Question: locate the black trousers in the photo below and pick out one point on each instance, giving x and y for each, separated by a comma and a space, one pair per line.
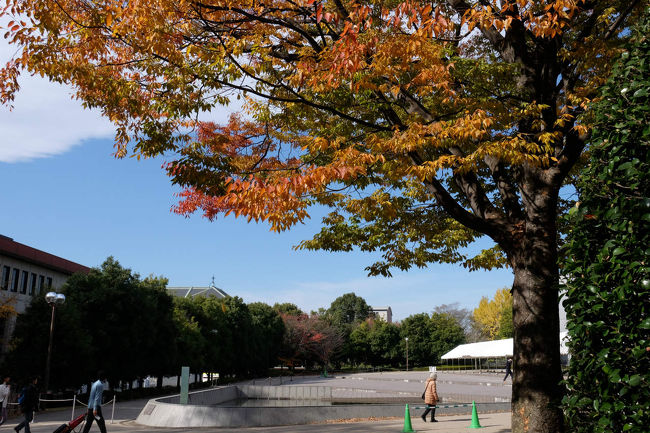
508, 373
29, 416
100, 420
432, 409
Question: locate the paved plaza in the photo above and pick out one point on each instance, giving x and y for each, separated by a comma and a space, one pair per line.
452, 387
405, 385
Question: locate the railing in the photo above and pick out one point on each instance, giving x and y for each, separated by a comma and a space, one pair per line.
74, 401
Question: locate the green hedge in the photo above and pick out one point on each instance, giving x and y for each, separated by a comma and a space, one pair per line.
608, 259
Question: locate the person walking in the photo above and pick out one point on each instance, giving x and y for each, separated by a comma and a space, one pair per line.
95, 404
508, 369
5, 389
28, 405
430, 398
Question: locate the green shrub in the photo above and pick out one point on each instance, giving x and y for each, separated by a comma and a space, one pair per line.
607, 259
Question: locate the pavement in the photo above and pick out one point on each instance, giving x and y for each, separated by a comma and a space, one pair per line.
389, 384
491, 423
452, 387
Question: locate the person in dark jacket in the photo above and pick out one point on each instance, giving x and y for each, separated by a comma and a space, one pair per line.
28, 405
508, 369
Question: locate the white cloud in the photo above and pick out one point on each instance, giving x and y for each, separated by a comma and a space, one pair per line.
45, 121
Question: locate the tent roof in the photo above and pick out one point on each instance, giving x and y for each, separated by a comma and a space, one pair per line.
492, 349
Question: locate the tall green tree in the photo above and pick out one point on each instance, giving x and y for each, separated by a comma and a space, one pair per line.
608, 260
359, 344
384, 341
446, 333
377, 343
416, 329
345, 313
430, 337
71, 349
192, 345
268, 332
111, 320
348, 309
288, 308
118, 310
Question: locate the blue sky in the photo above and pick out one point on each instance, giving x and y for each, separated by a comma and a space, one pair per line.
61, 191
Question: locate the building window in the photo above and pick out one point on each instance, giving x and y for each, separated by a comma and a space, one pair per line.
49, 283
6, 270
23, 282
41, 283
15, 277
32, 287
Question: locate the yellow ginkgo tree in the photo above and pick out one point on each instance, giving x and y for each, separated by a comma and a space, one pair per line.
489, 315
422, 124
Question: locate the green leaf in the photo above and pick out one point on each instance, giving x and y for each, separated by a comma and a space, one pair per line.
635, 380
645, 324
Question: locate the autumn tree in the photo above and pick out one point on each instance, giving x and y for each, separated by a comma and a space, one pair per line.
492, 317
325, 341
424, 125
309, 339
7, 311
295, 339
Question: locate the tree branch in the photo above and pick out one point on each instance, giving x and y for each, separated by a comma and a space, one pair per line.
449, 203
620, 19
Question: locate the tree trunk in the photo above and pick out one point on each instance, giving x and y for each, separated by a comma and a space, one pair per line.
536, 389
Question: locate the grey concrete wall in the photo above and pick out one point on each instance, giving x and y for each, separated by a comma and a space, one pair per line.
323, 393
206, 397
166, 412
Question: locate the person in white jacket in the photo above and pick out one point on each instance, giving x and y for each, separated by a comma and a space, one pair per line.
5, 389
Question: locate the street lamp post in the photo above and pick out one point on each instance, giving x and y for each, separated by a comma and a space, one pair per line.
53, 299
407, 353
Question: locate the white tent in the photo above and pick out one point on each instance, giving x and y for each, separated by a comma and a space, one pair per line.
493, 349
482, 349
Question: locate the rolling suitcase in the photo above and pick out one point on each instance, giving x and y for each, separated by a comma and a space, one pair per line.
69, 426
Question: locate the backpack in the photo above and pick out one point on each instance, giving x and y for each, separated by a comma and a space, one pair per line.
21, 397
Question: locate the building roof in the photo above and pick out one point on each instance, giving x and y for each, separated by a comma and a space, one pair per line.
191, 291
493, 349
11, 248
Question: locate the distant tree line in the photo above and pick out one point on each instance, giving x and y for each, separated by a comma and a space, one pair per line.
133, 328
